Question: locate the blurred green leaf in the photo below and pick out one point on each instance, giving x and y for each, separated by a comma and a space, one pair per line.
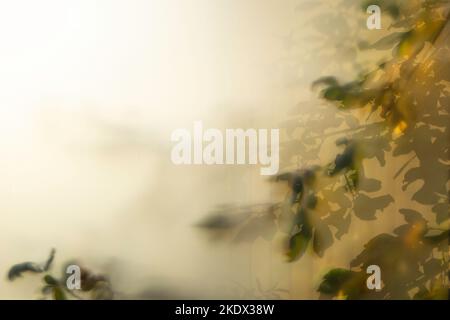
58, 294
298, 244
48, 279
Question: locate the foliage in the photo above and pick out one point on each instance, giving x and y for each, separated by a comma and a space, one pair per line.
93, 286
406, 100
17, 270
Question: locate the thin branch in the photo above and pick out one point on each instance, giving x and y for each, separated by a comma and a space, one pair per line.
326, 135
404, 166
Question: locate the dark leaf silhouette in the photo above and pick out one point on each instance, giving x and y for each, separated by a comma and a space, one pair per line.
323, 238
17, 270
366, 207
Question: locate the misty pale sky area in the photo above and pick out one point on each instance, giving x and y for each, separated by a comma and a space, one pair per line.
90, 93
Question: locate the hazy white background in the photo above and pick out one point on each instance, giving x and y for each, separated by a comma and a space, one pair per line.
89, 94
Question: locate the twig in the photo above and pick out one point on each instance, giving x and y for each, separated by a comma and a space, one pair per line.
404, 166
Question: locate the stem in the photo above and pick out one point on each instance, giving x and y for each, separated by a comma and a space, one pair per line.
349, 130
404, 166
